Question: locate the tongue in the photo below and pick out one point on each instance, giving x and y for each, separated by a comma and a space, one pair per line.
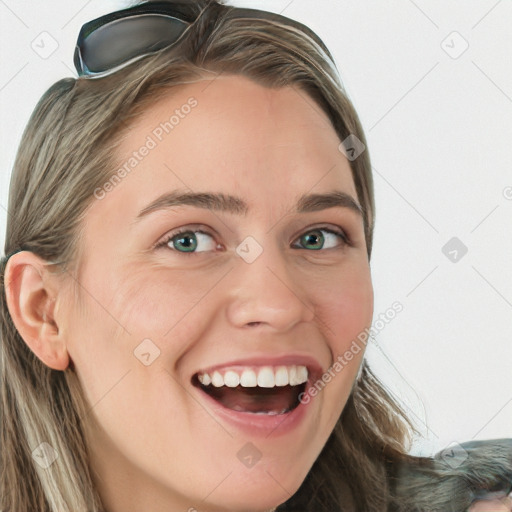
277, 400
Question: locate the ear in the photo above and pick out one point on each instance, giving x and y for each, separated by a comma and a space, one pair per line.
32, 294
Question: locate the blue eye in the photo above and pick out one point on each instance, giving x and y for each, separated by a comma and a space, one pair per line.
318, 240
188, 240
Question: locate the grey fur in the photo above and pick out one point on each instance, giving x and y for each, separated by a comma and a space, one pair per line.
451, 480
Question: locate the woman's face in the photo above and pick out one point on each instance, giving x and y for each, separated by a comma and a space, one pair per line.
243, 289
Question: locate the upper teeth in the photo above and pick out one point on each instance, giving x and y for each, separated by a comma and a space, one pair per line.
265, 377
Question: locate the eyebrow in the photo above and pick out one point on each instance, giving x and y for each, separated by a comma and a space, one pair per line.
226, 203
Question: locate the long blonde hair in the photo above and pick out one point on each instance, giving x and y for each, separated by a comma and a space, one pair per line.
66, 152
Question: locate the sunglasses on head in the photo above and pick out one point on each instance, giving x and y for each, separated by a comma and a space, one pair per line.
111, 42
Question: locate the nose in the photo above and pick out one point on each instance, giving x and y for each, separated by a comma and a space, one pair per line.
266, 294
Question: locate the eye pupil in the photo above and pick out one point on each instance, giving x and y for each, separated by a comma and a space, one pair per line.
315, 236
190, 247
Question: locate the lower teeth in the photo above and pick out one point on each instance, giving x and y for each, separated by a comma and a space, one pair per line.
266, 413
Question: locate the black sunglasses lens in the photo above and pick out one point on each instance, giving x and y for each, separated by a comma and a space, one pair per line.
122, 40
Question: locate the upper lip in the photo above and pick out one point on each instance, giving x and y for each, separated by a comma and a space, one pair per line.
314, 368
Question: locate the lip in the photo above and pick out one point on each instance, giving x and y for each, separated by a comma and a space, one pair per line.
257, 425
260, 425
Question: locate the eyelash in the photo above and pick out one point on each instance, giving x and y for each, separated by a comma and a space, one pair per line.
164, 243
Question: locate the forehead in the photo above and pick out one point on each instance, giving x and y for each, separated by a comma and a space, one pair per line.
232, 133
230, 126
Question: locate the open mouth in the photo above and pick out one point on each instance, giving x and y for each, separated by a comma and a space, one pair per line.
256, 399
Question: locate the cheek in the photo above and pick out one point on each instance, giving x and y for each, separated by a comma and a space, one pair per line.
163, 302
344, 309
168, 307
345, 305
108, 332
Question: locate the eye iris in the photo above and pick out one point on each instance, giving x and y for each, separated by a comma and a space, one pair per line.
184, 236
316, 235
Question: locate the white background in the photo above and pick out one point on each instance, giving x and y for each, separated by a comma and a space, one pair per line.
439, 133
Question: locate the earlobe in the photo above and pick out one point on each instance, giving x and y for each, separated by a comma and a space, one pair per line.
31, 293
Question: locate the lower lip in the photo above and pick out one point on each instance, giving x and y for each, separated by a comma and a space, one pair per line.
259, 425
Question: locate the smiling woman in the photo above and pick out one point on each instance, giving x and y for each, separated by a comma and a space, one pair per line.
189, 247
